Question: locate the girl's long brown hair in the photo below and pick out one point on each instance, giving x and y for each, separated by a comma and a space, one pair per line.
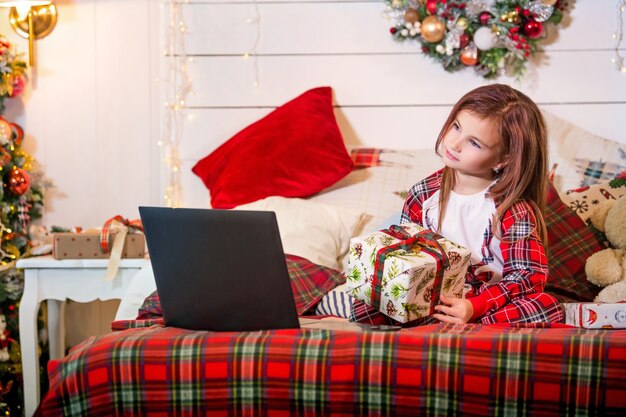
523, 150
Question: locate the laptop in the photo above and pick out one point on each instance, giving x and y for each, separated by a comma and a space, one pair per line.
219, 270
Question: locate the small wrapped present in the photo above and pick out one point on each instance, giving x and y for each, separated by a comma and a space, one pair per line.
119, 238
401, 271
596, 315
86, 245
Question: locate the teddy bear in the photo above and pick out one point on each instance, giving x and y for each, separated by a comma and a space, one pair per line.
607, 268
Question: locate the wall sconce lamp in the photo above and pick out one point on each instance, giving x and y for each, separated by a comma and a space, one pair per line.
31, 19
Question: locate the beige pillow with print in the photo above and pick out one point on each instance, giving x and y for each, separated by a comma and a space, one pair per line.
582, 158
583, 200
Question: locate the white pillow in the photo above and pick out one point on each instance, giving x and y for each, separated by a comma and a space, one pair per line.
318, 232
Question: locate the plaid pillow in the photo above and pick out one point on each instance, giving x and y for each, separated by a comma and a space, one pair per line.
309, 283
594, 172
570, 243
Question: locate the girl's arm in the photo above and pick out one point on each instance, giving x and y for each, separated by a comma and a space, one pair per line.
525, 264
412, 211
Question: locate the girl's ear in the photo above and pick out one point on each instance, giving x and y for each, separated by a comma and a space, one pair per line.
501, 164
498, 167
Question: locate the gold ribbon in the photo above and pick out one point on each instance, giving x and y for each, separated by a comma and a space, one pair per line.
121, 225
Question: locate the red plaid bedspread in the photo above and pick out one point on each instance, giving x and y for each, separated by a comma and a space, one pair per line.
433, 370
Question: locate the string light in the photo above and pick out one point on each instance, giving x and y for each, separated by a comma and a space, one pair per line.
256, 20
178, 88
618, 60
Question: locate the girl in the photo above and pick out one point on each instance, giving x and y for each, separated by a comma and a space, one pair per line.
490, 198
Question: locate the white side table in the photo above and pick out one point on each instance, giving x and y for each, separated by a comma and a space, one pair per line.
45, 278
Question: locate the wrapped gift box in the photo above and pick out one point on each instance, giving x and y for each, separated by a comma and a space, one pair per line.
87, 245
417, 265
596, 315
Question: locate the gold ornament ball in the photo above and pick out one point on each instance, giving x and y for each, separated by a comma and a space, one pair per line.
411, 16
462, 23
433, 29
511, 17
549, 2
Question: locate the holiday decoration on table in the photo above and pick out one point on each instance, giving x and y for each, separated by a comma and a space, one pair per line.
492, 36
12, 68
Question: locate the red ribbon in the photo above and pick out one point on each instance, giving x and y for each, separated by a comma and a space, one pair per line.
427, 240
104, 234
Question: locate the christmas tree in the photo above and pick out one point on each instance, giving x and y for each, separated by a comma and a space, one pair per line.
21, 199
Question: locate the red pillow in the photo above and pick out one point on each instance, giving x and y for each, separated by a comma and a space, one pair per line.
295, 151
570, 243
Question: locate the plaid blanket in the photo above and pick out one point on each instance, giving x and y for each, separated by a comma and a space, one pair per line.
432, 370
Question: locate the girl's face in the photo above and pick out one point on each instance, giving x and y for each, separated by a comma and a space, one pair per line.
471, 146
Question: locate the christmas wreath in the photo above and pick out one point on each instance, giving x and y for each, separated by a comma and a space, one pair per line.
493, 36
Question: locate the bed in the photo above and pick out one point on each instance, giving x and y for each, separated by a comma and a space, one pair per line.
322, 200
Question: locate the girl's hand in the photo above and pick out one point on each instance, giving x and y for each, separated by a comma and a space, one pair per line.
454, 310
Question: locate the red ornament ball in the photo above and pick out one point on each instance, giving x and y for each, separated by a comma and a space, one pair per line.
18, 181
431, 6
484, 18
18, 134
533, 29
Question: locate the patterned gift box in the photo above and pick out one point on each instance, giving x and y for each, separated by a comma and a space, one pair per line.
596, 315
402, 270
87, 246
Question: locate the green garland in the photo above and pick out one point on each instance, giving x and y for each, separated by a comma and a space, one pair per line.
492, 36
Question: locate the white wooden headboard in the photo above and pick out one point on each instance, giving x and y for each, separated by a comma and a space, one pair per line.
386, 93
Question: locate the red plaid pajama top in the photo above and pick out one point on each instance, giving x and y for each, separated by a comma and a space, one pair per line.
518, 296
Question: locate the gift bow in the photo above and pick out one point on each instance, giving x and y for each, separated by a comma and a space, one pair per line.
426, 240
118, 244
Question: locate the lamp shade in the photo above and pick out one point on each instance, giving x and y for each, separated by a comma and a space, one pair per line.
23, 6
16, 3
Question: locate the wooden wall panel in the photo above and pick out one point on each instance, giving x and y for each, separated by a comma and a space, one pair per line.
389, 80
324, 27
386, 93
